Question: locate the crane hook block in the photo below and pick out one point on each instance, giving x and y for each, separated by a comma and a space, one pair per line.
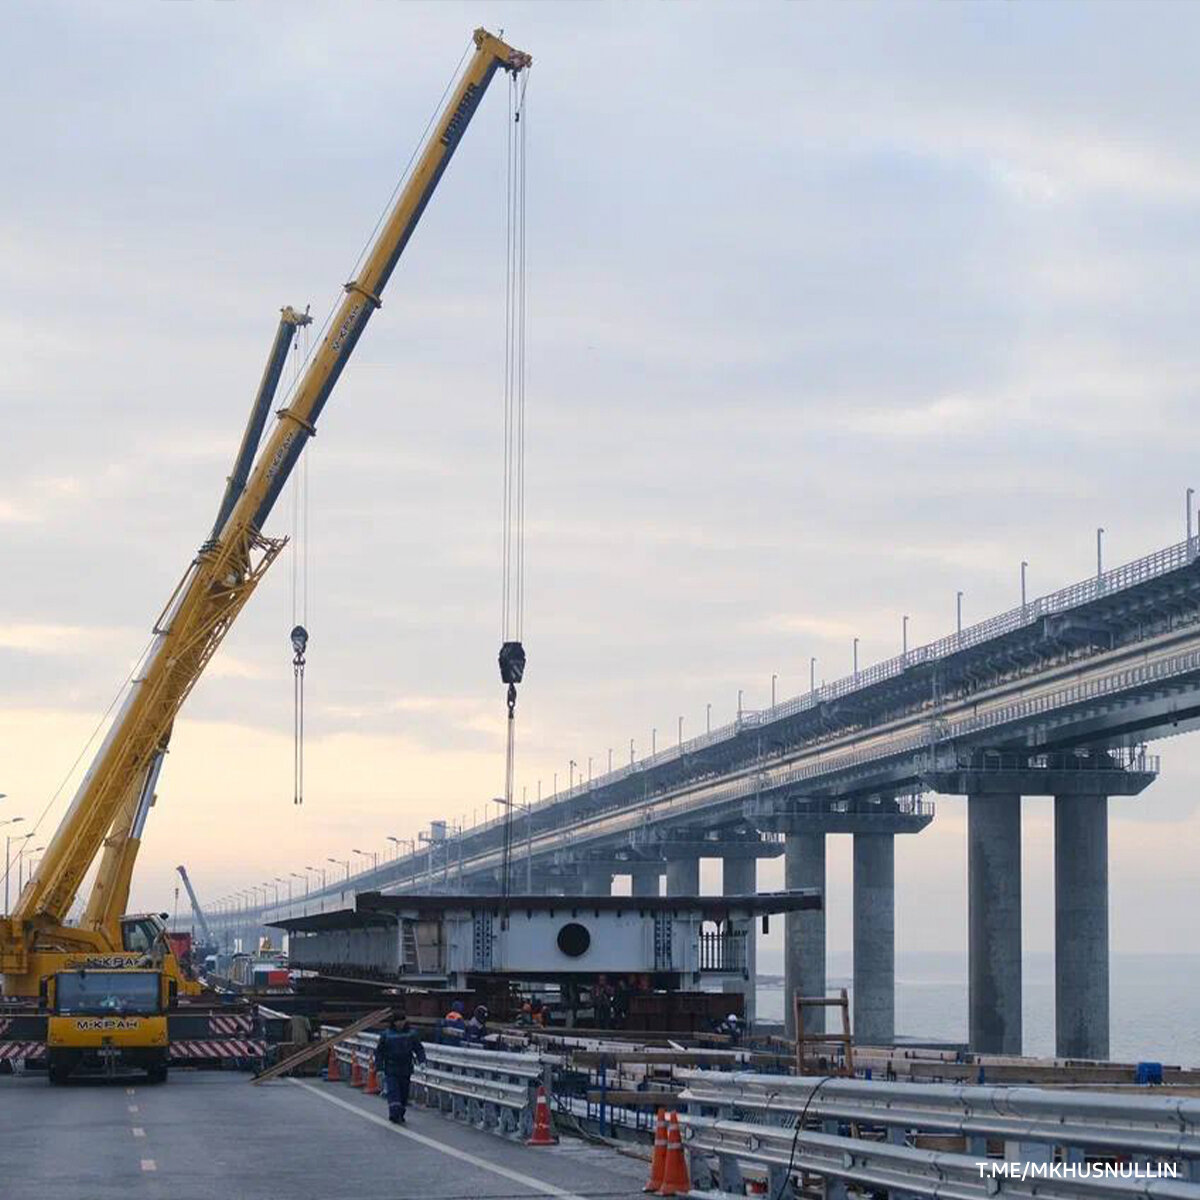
512, 662
299, 640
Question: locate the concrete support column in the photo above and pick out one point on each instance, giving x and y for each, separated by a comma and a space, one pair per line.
595, 881
804, 932
874, 939
643, 883
1081, 926
994, 923
683, 877
740, 878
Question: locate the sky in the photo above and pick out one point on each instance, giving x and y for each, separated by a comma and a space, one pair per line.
834, 310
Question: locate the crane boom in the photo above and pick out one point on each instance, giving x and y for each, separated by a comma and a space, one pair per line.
197, 911
109, 896
227, 569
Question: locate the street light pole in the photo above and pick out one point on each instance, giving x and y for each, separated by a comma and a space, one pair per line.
812, 675
773, 679
1187, 504
856, 658
708, 718
960, 596
1024, 568
904, 635
8, 859
1099, 551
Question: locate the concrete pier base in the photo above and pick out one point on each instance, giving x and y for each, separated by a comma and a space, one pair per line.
1081, 926
874, 939
804, 932
740, 878
994, 923
683, 876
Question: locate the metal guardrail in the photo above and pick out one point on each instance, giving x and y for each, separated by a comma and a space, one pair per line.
491, 1089
748, 1118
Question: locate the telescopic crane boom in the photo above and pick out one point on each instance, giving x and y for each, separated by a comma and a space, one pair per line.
224, 573
205, 933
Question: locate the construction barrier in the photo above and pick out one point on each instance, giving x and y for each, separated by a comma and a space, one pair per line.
744, 1124
494, 1090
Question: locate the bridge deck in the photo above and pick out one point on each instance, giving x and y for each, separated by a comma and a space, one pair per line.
210, 1136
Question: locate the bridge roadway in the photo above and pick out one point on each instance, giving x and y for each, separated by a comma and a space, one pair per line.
212, 1136
1052, 698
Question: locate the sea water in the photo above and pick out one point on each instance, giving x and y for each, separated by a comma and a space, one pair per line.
1154, 1002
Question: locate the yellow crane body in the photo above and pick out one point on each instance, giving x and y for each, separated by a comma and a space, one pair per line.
215, 587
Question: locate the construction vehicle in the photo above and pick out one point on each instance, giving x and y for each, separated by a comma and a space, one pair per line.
106, 1020
110, 806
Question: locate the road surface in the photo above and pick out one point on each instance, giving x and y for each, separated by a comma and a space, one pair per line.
214, 1136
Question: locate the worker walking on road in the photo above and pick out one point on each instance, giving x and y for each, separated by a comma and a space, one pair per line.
398, 1048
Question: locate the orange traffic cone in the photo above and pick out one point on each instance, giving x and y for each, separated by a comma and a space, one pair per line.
659, 1162
543, 1134
372, 1088
333, 1073
356, 1079
676, 1181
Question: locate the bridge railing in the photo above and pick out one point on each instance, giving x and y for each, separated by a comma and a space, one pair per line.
491, 1089
741, 1119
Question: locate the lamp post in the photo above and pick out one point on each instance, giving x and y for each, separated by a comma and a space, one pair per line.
8, 858
653, 741
774, 679
22, 850
959, 599
1024, 568
373, 855
341, 862
739, 715
904, 636
812, 675
856, 658
288, 882
302, 878
681, 734
1099, 551
610, 760
570, 774
708, 718
631, 752
318, 871
1186, 504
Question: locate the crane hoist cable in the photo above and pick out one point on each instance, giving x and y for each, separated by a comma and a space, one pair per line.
512, 603
299, 634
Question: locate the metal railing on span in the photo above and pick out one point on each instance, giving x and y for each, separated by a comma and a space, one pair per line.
864, 1132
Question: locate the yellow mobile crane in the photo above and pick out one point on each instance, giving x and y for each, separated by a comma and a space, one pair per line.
35, 941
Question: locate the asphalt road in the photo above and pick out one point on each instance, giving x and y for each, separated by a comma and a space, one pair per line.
214, 1136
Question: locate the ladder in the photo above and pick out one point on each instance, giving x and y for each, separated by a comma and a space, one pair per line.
823, 1053
412, 951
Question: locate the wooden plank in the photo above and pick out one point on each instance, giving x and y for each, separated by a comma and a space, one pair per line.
314, 1049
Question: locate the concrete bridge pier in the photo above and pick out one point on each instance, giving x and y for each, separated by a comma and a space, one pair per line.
739, 877
874, 939
1081, 782
872, 820
1081, 926
994, 923
804, 932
